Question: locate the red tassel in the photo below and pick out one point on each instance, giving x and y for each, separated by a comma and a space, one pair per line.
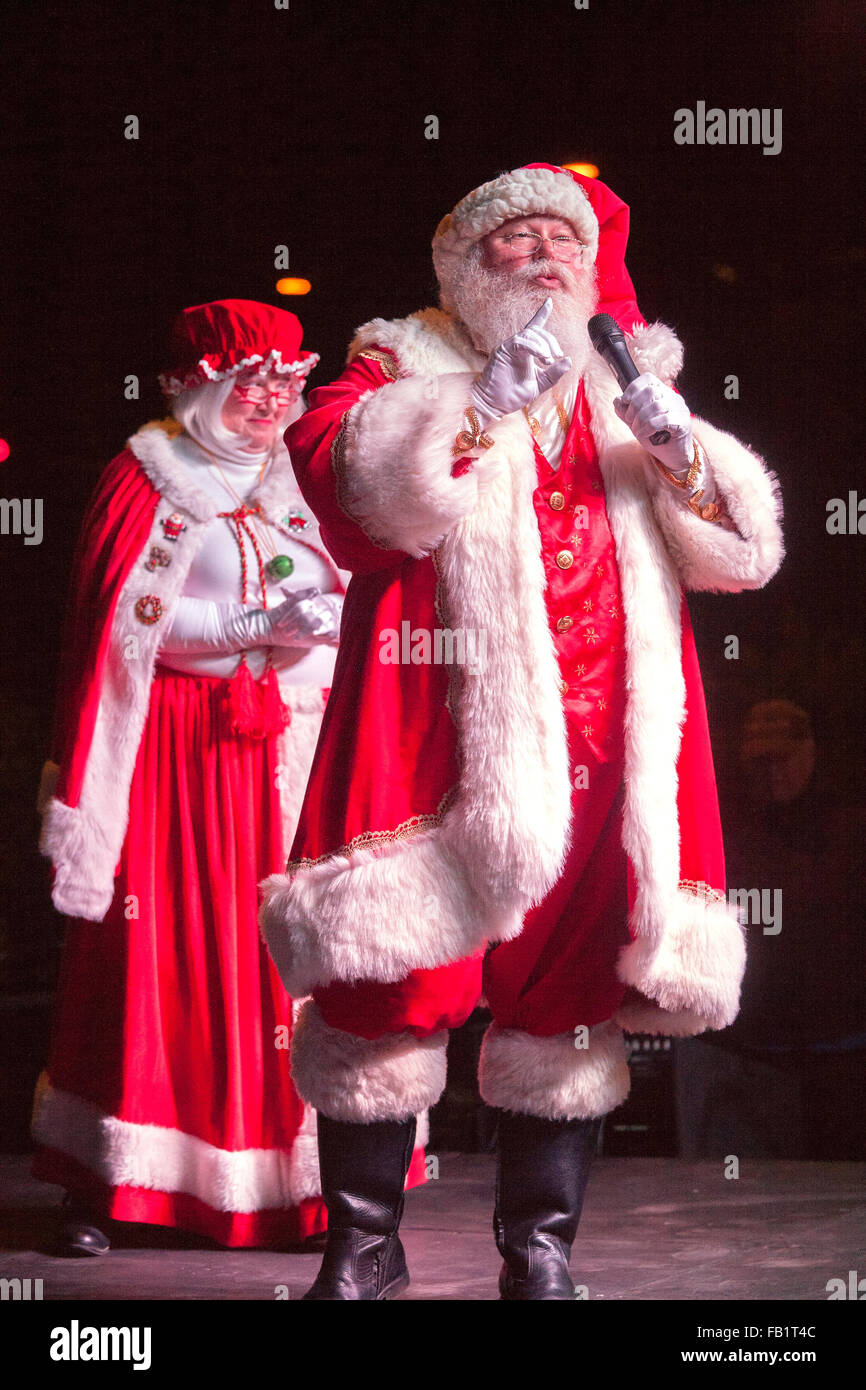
276, 715
244, 703
256, 708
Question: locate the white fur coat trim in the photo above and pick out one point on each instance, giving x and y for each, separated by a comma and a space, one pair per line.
501, 843
430, 898
85, 841
123, 1154
551, 1077
358, 1081
693, 972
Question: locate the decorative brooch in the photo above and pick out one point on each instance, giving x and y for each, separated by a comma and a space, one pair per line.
158, 559
148, 609
172, 526
473, 438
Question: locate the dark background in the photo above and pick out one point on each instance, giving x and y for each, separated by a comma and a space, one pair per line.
306, 127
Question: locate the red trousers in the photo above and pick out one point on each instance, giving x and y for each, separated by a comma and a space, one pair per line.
558, 974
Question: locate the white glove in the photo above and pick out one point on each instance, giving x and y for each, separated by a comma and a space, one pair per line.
520, 370
647, 405
305, 619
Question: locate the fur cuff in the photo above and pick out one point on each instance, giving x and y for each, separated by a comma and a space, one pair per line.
398, 460
359, 1081
708, 556
694, 973
414, 899
552, 1078
84, 864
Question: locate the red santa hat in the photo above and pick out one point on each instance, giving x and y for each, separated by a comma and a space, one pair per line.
595, 212
210, 342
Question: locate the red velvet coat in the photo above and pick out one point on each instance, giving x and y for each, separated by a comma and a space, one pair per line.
438, 805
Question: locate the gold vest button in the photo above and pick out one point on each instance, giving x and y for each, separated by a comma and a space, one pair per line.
563, 624
564, 559
557, 501
563, 687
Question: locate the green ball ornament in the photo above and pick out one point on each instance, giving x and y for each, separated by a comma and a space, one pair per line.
280, 567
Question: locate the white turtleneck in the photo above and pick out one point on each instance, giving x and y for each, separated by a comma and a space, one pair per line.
215, 575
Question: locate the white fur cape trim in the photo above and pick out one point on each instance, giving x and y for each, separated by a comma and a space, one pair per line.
551, 1077
85, 841
359, 1081
519, 193
435, 896
123, 1154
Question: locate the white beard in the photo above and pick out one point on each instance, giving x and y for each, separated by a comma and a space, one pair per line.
495, 304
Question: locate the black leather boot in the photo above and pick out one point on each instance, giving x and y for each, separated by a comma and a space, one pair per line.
542, 1172
77, 1232
363, 1170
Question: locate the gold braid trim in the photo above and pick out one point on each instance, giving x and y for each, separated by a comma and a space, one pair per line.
691, 477
338, 466
412, 826
713, 511
439, 603
702, 890
387, 361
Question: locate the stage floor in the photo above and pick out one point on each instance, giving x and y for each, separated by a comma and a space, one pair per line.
652, 1229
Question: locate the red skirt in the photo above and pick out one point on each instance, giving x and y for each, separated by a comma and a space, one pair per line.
168, 1095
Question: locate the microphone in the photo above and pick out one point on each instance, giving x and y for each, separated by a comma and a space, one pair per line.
608, 338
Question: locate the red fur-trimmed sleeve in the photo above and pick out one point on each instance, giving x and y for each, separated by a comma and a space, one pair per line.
374, 457
316, 443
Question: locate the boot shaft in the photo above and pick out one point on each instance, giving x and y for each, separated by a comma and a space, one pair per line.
543, 1168
363, 1170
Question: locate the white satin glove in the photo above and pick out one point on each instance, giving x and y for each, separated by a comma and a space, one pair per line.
305, 619
647, 405
520, 370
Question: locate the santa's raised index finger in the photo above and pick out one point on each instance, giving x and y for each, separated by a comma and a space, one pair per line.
539, 319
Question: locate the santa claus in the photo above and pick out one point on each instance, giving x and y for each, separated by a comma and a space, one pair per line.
200, 645
552, 799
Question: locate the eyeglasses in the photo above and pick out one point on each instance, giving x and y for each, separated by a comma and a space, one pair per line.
564, 248
256, 393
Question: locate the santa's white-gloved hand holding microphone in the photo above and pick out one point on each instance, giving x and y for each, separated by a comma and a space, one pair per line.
520, 370
647, 405
305, 618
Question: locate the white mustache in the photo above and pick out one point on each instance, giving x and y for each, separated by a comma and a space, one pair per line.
527, 273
